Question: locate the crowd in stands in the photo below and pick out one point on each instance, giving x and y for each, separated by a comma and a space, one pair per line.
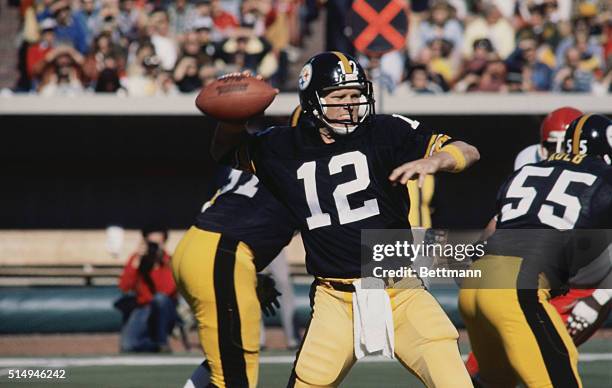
165, 47
149, 48
510, 46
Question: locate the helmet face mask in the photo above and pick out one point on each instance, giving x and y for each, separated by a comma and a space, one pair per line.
326, 73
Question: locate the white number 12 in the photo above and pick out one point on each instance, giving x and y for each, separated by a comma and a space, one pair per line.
342, 191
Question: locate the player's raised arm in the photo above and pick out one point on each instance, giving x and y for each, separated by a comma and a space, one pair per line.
232, 100
454, 157
229, 145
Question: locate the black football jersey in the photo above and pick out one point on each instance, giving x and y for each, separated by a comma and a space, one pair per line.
244, 210
336, 190
563, 192
556, 215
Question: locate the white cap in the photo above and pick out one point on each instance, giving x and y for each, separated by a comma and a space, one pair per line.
47, 24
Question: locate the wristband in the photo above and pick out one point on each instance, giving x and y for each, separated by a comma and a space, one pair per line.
457, 156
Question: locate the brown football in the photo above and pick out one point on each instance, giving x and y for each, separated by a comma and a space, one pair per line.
235, 98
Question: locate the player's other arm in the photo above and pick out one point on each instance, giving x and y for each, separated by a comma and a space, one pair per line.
453, 157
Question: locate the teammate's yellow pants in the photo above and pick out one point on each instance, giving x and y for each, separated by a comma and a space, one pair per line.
216, 275
425, 340
516, 334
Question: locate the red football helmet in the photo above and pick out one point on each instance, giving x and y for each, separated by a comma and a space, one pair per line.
553, 127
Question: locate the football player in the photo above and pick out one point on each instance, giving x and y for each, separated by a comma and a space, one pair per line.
341, 170
573, 306
239, 231
552, 132
514, 329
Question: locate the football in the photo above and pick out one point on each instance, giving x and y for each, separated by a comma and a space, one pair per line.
235, 98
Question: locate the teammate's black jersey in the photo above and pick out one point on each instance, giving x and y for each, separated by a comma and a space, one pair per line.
244, 210
563, 192
555, 214
336, 190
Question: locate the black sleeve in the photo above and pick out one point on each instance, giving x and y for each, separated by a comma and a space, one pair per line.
411, 140
244, 155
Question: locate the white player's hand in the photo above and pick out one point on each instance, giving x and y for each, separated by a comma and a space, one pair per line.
581, 317
587, 315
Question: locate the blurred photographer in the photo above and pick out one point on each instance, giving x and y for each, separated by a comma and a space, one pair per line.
148, 274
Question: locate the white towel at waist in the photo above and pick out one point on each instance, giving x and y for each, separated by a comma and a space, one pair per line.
372, 319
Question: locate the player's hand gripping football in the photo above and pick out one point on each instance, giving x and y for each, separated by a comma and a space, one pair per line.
585, 313
267, 294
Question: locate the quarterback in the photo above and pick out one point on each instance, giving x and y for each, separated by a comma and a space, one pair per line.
341, 170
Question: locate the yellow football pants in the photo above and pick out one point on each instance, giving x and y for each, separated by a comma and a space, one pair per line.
216, 275
425, 340
516, 334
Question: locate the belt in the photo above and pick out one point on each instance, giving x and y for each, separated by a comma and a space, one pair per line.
348, 287
338, 286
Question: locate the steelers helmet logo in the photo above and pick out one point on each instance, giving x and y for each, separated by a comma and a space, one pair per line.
305, 77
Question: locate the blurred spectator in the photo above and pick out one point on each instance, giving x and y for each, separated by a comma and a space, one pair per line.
420, 82
515, 83
203, 26
138, 51
439, 61
62, 73
483, 72
557, 10
257, 13
181, 14
524, 60
108, 80
108, 22
104, 55
435, 58
441, 24
482, 53
43, 9
37, 52
576, 75
223, 20
162, 40
149, 79
148, 274
129, 19
89, 13
247, 51
70, 28
493, 77
589, 47
493, 26
186, 75
541, 23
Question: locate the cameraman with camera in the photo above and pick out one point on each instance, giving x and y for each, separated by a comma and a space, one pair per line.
148, 274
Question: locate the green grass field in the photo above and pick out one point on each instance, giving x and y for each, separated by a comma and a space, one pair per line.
173, 370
